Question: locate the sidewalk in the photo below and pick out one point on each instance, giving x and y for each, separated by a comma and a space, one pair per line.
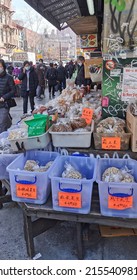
59, 243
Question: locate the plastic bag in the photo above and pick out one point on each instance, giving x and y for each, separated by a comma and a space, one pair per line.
113, 174
71, 172
38, 125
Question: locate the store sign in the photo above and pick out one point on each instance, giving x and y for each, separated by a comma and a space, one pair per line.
129, 86
120, 203
88, 41
70, 200
111, 143
87, 114
26, 191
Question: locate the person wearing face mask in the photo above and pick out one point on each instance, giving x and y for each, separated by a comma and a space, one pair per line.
41, 72
7, 91
80, 79
29, 85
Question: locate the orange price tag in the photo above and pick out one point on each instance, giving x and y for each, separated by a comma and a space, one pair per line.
70, 200
120, 203
111, 143
26, 191
87, 114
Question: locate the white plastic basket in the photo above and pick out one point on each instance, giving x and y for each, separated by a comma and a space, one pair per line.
72, 139
31, 143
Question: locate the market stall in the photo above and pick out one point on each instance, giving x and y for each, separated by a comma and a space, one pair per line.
88, 173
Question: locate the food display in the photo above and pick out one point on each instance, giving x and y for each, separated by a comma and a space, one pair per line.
64, 125
32, 165
5, 147
133, 108
112, 128
113, 174
70, 172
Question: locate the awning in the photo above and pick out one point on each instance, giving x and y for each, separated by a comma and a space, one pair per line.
84, 25
57, 12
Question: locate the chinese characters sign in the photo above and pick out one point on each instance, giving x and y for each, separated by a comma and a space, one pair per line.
120, 203
70, 200
111, 143
87, 114
26, 191
129, 87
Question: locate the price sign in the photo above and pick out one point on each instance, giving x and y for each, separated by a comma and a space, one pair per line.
120, 203
26, 191
111, 143
87, 114
70, 200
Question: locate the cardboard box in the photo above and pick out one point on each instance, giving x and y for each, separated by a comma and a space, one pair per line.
107, 231
132, 127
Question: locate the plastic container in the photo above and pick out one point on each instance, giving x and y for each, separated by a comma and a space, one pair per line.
124, 139
116, 191
70, 195
36, 142
30, 187
72, 139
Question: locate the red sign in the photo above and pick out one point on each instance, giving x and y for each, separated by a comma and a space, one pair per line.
70, 200
120, 203
111, 143
26, 191
87, 114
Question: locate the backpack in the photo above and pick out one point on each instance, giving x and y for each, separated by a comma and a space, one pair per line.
52, 74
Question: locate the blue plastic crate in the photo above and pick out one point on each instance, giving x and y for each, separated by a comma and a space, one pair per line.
71, 189
117, 190
35, 184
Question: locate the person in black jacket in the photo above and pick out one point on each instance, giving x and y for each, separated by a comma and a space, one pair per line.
29, 85
7, 91
80, 79
61, 77
52, 79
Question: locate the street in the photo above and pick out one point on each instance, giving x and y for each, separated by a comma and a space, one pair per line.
58, 243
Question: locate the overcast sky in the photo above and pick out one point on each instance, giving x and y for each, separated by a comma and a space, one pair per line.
19, 5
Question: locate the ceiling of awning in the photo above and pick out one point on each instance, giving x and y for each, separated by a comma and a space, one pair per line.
56, 12
84, 25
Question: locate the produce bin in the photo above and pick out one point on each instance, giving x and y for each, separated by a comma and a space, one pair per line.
5, 160
72, 139
31, 187
123, 139
117, 199
73, 195
36, 142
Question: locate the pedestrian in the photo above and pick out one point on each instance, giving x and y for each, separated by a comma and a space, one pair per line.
7, 91
29, 85
52, 80
10, 68
66, 69
80, 79
70, 69
16, 71
61, 77
41, 72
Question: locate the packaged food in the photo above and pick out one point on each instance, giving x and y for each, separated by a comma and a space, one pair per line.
31, 165
111, 125
113, 174
71, 172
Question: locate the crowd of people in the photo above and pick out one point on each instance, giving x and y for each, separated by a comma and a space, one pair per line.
34, 79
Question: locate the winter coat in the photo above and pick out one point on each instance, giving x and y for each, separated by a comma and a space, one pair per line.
7, 86
70, 70
52, 76
33, 82
61, 76
41, 72
80, 80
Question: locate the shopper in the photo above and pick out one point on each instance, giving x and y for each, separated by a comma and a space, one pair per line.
70, 69
66, 69
7, 91
41, 72
10, 68
80, 79
61, 77
29, 85
52, 80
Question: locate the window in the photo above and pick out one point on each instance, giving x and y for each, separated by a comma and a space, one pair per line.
1, 35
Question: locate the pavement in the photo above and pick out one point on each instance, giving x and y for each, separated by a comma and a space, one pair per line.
58, 243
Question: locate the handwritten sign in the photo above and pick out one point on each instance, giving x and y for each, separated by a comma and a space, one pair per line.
26, 191
87, 114
111, 143
70, 200
120, 203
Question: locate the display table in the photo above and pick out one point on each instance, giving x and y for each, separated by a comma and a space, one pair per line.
39, 218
